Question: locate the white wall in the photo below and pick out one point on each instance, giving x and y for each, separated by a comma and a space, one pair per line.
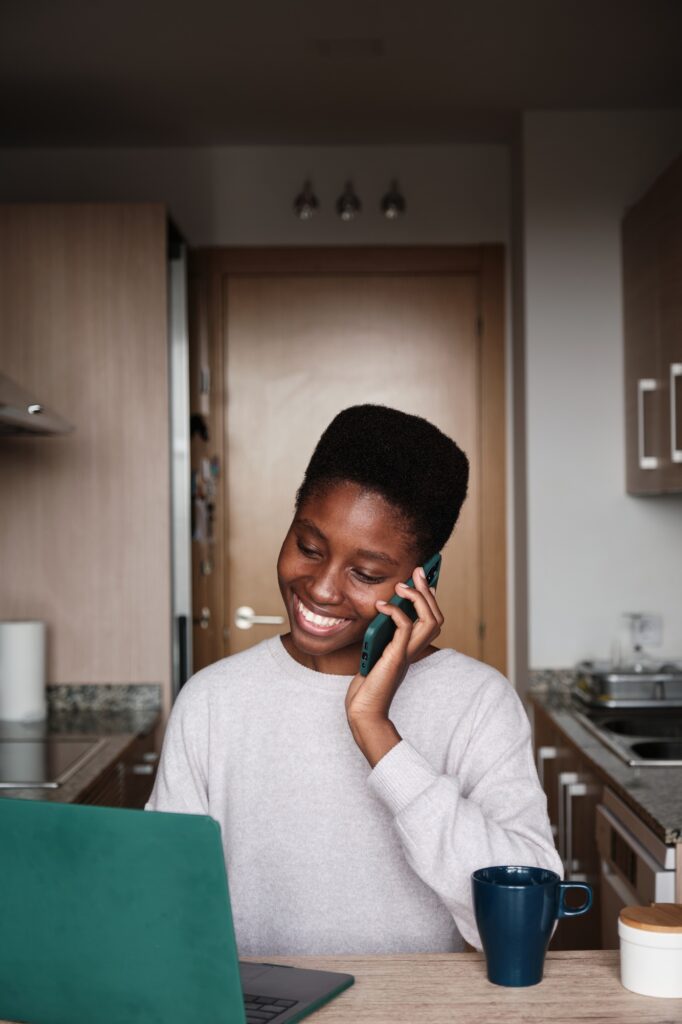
594, 551
455, 194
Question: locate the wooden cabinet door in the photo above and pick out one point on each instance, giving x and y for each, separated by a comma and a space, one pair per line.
670, 328
643, 406
652, 307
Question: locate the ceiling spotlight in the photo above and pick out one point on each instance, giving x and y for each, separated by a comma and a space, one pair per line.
393, 203
348, 205
306, 203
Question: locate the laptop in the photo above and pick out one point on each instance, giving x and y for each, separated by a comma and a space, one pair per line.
111, 916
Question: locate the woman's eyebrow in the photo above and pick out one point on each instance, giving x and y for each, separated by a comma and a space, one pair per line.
310, 525
376, 556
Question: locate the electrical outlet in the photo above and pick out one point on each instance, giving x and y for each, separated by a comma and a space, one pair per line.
648, 630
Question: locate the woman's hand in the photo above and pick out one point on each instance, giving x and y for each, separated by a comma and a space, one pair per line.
369, 698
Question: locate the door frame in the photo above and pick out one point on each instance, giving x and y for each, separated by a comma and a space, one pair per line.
209, 266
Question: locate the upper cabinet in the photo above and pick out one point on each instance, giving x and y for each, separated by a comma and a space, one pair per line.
85, 539
652, 283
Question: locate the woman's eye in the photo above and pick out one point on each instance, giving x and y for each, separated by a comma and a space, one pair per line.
365, 578
308, 552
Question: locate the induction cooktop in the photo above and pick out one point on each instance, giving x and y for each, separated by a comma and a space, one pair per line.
43, 763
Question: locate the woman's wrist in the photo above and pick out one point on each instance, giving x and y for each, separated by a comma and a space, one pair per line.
375, 737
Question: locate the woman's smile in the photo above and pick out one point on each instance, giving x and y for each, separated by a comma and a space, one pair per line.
315, 623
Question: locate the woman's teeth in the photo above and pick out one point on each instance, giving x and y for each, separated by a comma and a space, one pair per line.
314, 618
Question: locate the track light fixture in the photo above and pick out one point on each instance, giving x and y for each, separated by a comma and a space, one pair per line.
306, 203
393, 203
348, 205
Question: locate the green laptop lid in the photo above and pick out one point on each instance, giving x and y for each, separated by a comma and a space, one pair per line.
112, 916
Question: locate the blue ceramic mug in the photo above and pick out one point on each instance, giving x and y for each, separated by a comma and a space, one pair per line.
516, 908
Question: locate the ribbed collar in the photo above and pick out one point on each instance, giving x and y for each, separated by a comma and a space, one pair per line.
328, 683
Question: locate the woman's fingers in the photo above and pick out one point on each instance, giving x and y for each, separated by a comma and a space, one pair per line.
421, 584
423, 599
403, 623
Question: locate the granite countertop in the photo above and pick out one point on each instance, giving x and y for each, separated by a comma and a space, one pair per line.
115, 714
654, 794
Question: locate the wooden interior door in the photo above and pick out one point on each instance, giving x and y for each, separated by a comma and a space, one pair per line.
303, 338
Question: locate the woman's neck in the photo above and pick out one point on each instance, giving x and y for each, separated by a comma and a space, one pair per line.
345, 662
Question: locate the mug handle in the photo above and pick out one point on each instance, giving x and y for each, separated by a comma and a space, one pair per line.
565, 911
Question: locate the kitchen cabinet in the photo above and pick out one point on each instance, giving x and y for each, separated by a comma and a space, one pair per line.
573, 794
129, 780
86, 538
652, 308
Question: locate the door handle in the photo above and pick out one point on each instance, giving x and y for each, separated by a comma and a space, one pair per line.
245, 618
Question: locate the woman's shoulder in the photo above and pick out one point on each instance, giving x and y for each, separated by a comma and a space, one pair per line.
453, 666
232, 669
454, 678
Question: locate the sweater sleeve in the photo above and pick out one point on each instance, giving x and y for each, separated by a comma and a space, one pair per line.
182, 779
487, 809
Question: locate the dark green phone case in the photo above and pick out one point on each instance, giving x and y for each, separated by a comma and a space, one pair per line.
380, 631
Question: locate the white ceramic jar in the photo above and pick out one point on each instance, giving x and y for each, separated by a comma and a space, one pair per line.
651, 949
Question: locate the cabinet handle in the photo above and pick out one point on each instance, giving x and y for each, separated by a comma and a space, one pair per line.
546, 754
564, 779
543, 755
574, 789
675, 373
645, 461
142, 769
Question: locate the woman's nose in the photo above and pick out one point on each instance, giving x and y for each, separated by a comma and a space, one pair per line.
324, 587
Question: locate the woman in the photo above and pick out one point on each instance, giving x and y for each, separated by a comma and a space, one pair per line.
353, 810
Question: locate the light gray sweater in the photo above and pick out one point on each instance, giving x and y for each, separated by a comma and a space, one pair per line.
325, 854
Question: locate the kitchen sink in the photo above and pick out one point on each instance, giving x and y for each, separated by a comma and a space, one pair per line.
669, 727
641, 739
658, 750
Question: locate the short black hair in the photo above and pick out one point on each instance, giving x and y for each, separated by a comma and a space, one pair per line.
404, 458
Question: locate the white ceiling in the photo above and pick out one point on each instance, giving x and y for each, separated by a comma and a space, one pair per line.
177, 72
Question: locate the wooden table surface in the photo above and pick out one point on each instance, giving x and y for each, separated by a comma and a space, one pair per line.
451, 988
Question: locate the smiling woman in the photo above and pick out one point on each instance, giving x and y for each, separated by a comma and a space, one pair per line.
275, 742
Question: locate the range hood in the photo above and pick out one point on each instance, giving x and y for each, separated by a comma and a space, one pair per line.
22, 415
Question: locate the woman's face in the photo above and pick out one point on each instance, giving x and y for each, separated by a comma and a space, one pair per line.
346, 549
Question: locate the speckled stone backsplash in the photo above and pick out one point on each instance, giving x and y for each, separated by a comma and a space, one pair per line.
66, 697
551, 680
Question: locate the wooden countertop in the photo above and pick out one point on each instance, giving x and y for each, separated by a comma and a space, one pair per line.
452, 988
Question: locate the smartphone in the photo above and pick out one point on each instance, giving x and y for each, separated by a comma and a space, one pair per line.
380, 631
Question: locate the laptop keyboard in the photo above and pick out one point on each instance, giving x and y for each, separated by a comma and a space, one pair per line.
260, 1009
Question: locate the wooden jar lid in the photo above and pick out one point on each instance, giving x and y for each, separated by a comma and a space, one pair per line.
659, 917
